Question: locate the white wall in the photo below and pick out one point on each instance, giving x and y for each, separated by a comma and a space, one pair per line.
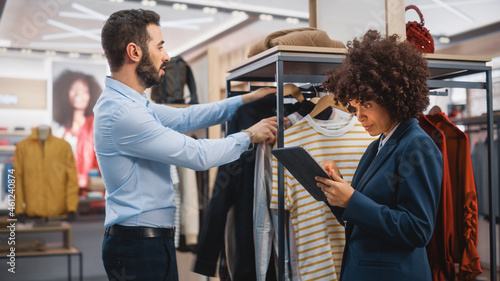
200, 73
27, 68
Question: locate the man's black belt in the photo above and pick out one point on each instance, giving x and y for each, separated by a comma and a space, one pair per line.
140, 231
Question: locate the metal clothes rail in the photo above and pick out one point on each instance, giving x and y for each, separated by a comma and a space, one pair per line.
296, 64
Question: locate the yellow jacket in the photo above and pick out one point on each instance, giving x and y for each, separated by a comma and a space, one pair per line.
46, 177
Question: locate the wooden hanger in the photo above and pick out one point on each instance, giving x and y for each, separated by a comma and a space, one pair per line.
294, 91
324, 103
315, 100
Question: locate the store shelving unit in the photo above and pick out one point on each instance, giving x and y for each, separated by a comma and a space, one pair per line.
13, 138
66, 249
297, 64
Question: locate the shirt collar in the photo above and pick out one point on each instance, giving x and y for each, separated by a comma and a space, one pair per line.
126, 91
384, 139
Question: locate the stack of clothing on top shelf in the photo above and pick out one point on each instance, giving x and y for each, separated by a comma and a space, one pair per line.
455, 236
305, 36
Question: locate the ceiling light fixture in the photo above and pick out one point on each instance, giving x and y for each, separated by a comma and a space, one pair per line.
208, 10
232, 22
292, 20
178, 6
444, 40
5, 42
453, 10
265, 17
190, 24
249, 8
239, 14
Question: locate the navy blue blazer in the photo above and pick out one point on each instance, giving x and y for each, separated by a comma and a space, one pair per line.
391, 215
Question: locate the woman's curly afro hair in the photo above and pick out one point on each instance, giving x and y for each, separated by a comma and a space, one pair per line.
390, 72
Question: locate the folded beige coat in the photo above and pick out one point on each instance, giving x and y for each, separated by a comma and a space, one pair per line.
306, 36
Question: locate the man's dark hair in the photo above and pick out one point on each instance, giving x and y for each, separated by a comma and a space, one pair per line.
62, 107
124, 27
386, 70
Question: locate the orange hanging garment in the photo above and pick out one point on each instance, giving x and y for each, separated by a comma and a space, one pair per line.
439, 249
464, 198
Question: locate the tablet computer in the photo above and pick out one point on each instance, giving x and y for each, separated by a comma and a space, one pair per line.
303, 167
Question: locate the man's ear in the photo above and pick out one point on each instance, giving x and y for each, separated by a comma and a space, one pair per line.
134, 52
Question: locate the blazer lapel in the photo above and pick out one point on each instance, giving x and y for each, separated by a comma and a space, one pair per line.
365, 162
381, 157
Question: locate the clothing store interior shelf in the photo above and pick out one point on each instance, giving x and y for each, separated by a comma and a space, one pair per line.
310, 64
67, 248
297, 64
10, 137
476, 120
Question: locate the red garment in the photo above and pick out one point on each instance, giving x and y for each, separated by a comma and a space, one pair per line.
464, 198
85, 154
439, 249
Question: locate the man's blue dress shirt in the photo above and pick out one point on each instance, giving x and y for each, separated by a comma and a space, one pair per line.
136, 142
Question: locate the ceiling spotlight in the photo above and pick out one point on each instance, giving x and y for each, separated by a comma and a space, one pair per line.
26, 51
208, 10
74, 54
96, 56
265, 17
181, 7
50, 53
145, 2
292, 20
444, 40
239, 14
152, 3
3, 50
119, 1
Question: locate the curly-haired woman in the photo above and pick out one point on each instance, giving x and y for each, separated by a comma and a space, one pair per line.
389, 209
75, 95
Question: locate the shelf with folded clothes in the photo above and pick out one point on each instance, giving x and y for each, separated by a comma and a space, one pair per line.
8, 139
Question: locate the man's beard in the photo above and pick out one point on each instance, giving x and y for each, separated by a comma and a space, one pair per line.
147, 73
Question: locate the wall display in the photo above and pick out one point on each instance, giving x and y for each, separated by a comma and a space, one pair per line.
19, 93
76, 88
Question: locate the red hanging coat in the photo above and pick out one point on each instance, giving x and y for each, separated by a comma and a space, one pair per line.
464, 198
439, 249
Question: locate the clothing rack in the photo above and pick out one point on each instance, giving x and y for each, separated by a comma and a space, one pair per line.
297, 64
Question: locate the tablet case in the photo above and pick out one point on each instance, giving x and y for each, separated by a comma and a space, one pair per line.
303, 167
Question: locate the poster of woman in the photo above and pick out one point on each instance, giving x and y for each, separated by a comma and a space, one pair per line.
76, 88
